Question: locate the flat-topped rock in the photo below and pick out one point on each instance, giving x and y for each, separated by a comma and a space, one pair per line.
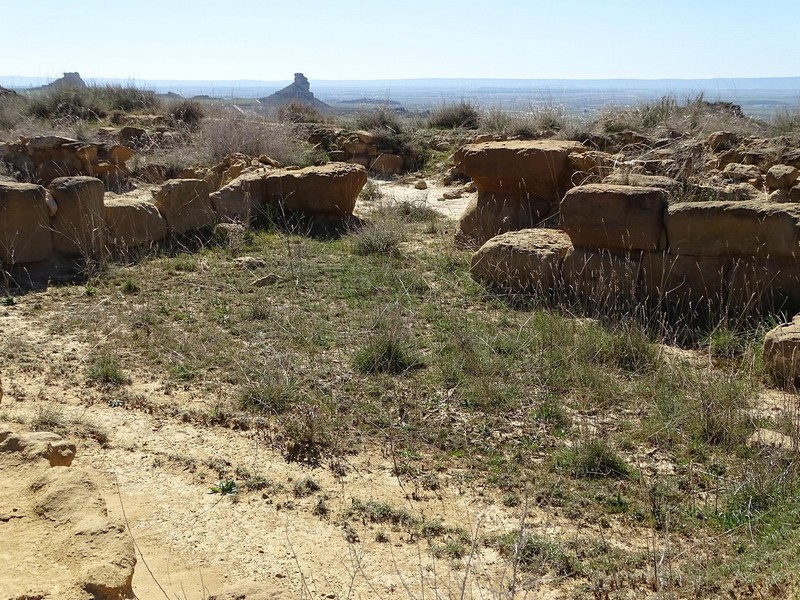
524, 261
615, 216
535, 168
329, 190
734, 228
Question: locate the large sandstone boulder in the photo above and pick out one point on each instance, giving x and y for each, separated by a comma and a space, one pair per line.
25, 235
79, 223
782, 353
184, 204
519, 184
58, 541
328, 191
615, 217
387, 164
781, 177
537, 168
522, 261
731, 228
241, 199
132, 222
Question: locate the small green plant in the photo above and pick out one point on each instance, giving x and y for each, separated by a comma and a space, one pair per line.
321, 508
381, 536
225, 487
388, 350
129, 286
595, 458
305, 487
536, 553
106, 369
270, 392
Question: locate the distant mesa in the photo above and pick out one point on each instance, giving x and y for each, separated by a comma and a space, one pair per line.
299, 91
68, 81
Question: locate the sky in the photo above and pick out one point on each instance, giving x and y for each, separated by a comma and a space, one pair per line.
148, 40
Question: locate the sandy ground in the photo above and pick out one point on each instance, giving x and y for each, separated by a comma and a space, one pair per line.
157, 470
404, 191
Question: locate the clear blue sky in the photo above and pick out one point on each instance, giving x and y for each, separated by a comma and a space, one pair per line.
146, 40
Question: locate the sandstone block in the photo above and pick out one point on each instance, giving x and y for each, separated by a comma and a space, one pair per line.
25, 234
524, 261
79, 222
614, 216
329, 190
722, 140
781, 177
689, 281
535, 169
388, 164
241, 199
133, 222
782, 353
739, 172
726, 228
601, 277
493, 213
184, 204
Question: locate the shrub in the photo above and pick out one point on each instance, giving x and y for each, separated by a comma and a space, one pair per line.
65, 103
188, 113
127, 98
253, 136
462, 115
382, 238
595, 458
370, 192
786, 121
299, 112
380, 118
106, 369
388, 350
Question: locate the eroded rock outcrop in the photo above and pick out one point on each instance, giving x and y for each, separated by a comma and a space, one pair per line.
615, 216
782, 353
46, 157
25, 235
520, 183
132, 222
58, 540
184, 204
